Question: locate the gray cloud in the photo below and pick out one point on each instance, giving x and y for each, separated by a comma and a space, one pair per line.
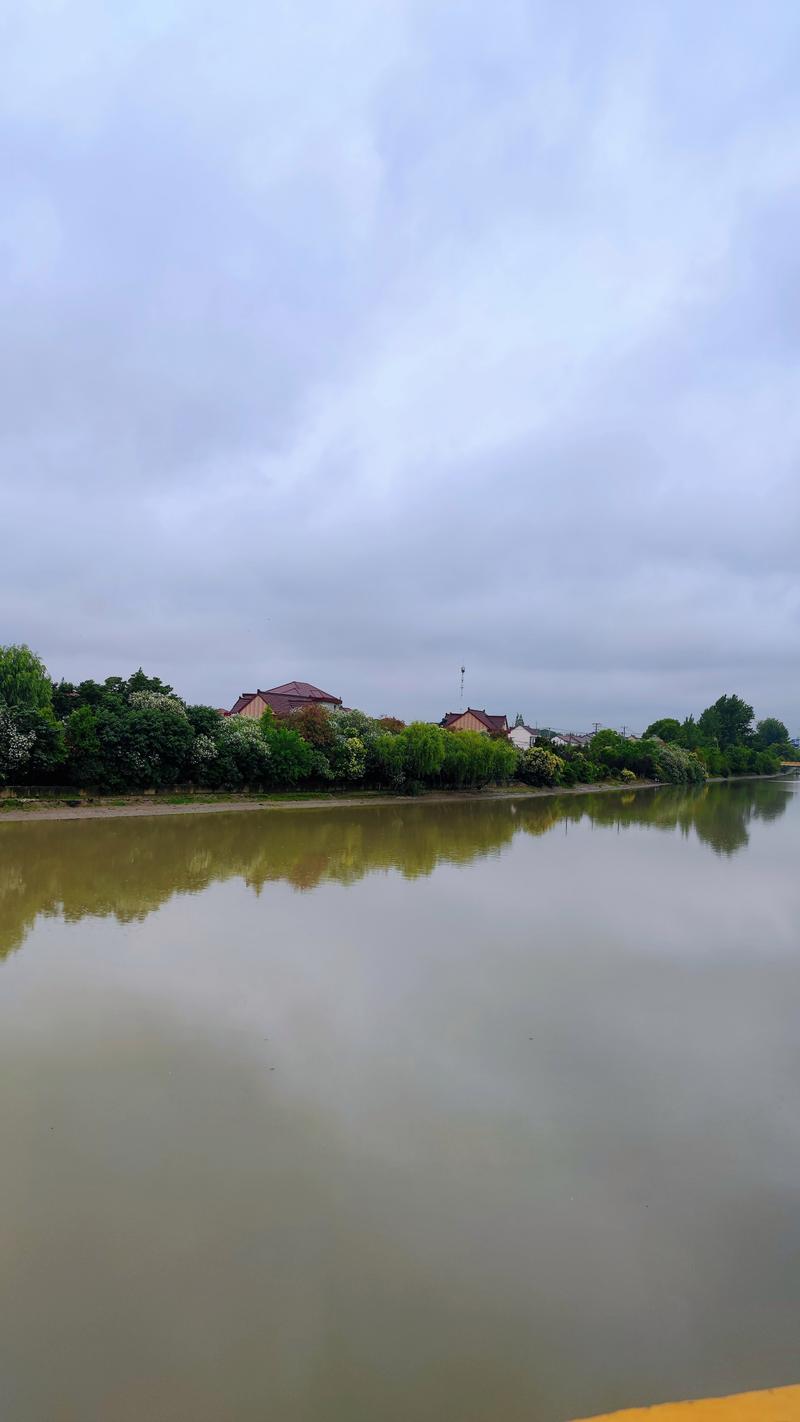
348, 342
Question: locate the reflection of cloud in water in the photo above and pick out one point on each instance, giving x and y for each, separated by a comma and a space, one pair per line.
129, 867
516, 1142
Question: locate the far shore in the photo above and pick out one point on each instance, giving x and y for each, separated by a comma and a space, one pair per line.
139, 806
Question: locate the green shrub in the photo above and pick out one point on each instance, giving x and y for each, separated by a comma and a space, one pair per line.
538, 766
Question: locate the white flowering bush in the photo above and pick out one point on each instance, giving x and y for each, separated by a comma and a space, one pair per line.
156, 701
243, 755
678, 766
353, 758
15, 746
204, 753
538, 766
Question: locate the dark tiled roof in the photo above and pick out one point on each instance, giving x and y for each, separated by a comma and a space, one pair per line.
289, 697
302, 690
244, 700
492, 723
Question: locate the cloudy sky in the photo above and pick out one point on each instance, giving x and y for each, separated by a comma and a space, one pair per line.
350, 341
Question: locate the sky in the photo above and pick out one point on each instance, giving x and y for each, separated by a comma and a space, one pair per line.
355, 342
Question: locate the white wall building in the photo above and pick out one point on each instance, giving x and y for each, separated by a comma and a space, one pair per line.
523, 737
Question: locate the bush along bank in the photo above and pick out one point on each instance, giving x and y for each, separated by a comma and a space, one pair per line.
129, 735
722, 742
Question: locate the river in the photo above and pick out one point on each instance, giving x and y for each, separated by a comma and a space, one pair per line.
483, 1111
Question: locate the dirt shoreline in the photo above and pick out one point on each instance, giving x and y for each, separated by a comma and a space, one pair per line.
139, 807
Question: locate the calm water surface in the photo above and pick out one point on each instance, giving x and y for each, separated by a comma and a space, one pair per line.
486, 1111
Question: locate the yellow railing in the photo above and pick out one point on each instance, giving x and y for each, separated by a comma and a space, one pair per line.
777, 1404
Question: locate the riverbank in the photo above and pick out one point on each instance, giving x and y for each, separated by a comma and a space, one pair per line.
133, 806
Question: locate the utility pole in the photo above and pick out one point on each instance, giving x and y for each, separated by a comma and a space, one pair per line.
596, 725
461, 698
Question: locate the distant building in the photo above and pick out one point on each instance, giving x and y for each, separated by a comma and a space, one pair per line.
472, 720
291, 696
523, 737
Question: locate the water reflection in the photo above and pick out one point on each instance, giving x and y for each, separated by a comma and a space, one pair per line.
129, 867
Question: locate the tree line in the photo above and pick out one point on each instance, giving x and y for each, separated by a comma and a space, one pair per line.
129, 734
723, 741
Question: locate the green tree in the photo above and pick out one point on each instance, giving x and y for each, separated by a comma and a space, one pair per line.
15, 747
771, 732
314, 724
24, 682
291, 758
84, 762
690, 735
538, 766
389, 760
424, 748
49, 750
204, 720
667, 729
728, 722
243, 755
140, 681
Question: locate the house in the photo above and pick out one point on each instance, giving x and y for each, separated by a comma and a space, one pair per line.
569, 738
523, 737
472, 720
291, 696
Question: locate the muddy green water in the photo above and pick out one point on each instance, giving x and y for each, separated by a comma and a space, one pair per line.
485, 1111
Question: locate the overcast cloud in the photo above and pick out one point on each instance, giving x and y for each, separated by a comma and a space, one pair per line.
348, 341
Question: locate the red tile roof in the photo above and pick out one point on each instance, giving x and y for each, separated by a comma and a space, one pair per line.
289, 697
244, 700
492, 723
304, 690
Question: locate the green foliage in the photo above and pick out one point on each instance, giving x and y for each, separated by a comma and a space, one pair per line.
667, 729
204, 720
48, 750
389, 760
503, 764
243, 755
607, 745
291, 757
391, 723
539, 766
424, 749
24, 682
678, 766
31, 737
135, 733
766, 762
771, 732
577, 768
84, 747
728, 722
472, 760
15, 747
139, 681
314, 724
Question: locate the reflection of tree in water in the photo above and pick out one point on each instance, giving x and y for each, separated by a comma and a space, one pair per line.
719, 814
129, 867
